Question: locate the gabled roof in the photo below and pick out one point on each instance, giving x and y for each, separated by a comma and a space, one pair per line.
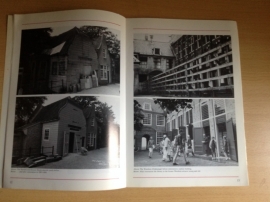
146, 47
155, 107
61, 43
51, 111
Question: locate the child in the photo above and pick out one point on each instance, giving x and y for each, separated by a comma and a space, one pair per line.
213, 147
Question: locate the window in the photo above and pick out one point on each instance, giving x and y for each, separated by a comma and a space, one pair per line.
92, 122
92, 139
205, 113
157, 63
156, 51
143, 62
54, 68
219, 107
159, 137
46, 134
147, 106
62, 69
160, 120
147, 120
104, 53
168, 64
103, 72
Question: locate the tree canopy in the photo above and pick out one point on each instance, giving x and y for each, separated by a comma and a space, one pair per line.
138, 116
25, 107
170, 105
111, 39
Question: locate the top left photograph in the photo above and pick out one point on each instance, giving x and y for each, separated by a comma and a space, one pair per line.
59, 60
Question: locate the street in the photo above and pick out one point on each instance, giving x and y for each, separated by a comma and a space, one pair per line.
111, 89
141, 159
95, 159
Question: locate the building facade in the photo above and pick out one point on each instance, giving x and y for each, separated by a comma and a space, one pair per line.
73, 61
203, 68
153, 124
212, 117
150, 58
59, 128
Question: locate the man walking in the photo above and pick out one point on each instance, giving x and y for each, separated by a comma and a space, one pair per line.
180, 146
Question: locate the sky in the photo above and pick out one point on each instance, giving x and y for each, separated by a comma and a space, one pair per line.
60, 30
110, 100
156, 37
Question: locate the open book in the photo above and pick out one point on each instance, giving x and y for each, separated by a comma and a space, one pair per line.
95, 101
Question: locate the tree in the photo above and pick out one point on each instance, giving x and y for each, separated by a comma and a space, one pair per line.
34, 42
111, 39
170, 105
138, 116
25, 108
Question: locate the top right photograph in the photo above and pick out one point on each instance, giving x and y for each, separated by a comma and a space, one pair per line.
183, 66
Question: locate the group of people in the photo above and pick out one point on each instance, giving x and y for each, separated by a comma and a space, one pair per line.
213, 147
171, 149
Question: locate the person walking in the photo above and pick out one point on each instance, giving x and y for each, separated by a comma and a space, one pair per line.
179, 147
225, 148
150, 147
213, 147
189, 146
165, 147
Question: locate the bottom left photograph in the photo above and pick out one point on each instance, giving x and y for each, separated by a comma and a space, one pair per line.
66, 132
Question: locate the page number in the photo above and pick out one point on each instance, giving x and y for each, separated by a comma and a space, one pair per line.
238, 180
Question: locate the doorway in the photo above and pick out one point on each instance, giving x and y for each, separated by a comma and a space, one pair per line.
145, 139
71, 142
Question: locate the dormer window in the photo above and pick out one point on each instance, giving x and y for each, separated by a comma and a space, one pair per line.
156, 51
147, 106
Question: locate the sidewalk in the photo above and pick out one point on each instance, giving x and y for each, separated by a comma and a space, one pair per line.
111, 89
95, 159
141, 159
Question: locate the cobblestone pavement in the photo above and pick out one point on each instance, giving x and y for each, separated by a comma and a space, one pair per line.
141, 159
112, 89
95, 159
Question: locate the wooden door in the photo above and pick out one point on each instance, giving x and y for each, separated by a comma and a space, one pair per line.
198, 138
232, 140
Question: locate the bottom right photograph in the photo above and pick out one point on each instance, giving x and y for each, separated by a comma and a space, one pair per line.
184, 132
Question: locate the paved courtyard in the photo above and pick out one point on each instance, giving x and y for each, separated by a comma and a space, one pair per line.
141, 159
95, 159
111, 89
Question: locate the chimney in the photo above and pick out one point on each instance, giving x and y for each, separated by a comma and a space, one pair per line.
146, 37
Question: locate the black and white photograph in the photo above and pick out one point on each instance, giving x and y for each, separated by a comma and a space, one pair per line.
58, 132
184, 132
183, 66
83, 60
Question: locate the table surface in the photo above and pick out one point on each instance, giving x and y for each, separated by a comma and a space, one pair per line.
252, 18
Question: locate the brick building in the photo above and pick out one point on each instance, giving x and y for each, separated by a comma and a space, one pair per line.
62, 127
153, 123
212, 117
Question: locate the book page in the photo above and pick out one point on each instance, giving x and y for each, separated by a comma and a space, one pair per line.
63, 125
6, 84
188, 123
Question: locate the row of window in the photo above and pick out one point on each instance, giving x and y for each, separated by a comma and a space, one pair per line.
219, 109
147, 120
